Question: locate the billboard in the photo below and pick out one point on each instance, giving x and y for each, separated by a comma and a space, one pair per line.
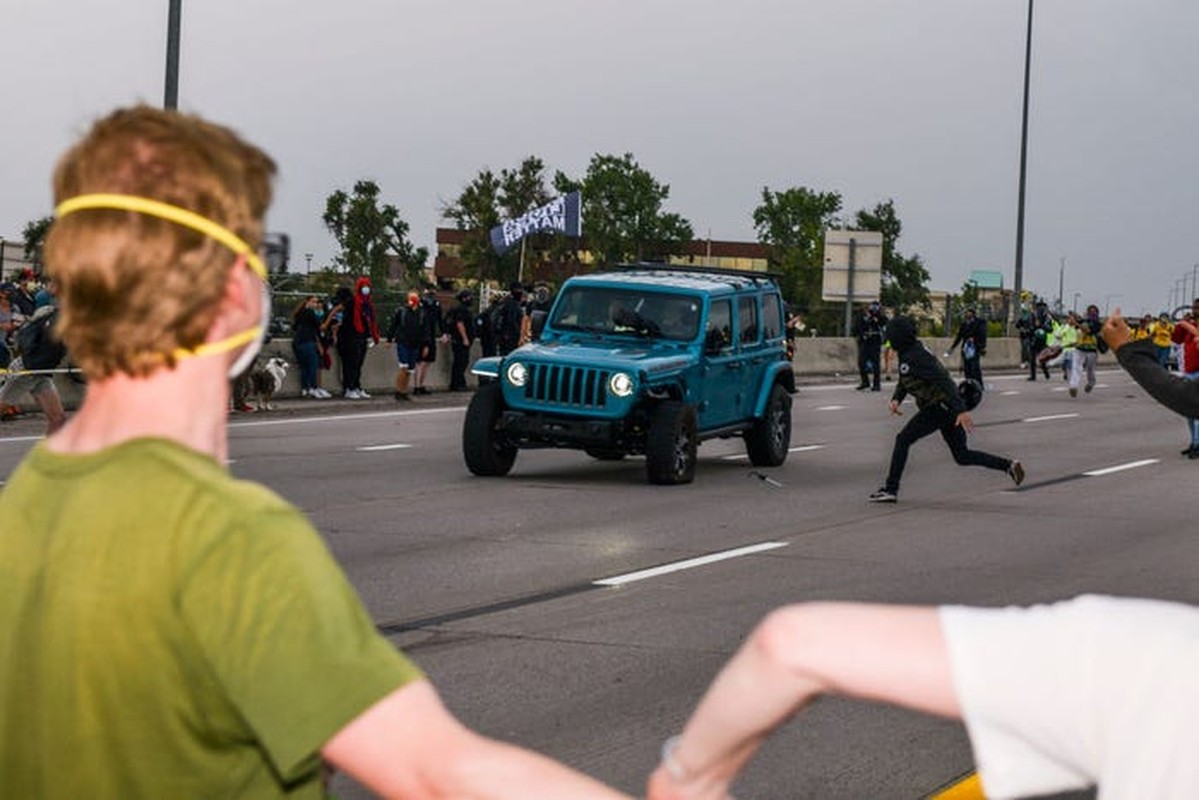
852, 254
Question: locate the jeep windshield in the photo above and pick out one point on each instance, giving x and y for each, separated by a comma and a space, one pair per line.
629, 312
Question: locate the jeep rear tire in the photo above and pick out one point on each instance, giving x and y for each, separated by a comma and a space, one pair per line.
486, 450
768, 441
670, 444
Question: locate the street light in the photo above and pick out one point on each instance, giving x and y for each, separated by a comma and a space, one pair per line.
1019, 281
1074, 305
308, 265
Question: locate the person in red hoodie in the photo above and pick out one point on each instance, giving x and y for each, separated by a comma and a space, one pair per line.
1186, 333
359, 331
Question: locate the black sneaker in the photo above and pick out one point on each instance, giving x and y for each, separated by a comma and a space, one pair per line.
1016, 472
883, 496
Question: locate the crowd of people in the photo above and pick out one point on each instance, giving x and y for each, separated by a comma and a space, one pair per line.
176, 632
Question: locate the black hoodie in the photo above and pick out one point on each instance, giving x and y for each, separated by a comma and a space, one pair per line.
920, 373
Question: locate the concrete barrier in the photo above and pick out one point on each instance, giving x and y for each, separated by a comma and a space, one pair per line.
814, 357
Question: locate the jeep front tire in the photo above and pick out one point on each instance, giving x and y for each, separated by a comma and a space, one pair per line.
768, 441
486, 451
670, 444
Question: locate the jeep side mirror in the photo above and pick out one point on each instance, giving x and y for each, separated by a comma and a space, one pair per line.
537, 323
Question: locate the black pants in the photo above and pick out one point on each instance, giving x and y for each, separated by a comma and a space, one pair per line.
461, 356
973, 368
352, 351
1034, 350
926, 421
870, 363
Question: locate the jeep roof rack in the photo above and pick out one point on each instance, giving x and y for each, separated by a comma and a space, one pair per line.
661, 266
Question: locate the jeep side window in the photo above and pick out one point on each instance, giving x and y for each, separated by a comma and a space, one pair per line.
719, 334
747, 318
772, 317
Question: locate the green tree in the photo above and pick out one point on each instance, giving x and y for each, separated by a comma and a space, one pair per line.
791, 223
905, 280
622, 212
369, 233
34, 235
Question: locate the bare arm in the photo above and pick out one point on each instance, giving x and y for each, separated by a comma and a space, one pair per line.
409, 746
884, 653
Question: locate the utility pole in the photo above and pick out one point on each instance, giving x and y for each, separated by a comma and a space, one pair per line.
170, 99
1019, 281
1061, 282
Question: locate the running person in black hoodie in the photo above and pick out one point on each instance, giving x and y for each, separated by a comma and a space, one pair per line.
940, 406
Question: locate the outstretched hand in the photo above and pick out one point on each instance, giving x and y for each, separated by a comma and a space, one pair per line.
965, 422
1116, 331
894, 407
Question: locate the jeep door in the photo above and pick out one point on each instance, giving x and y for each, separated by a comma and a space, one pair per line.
722, 368
754, 353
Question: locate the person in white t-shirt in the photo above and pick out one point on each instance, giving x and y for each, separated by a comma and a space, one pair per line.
1095, 691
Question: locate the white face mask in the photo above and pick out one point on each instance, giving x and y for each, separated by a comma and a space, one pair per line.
243, 361
366, 290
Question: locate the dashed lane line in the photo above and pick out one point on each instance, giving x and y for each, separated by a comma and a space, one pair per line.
375, 448
1049, 417
1094, 473
803, 448
690, 563
393, 628
830, 408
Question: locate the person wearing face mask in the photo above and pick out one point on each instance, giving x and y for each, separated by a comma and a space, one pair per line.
358, 331
181, 632
306, 326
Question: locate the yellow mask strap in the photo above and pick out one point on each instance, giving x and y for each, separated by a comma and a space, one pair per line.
188, 219
180, 216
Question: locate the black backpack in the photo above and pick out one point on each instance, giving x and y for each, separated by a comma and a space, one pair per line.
40, 348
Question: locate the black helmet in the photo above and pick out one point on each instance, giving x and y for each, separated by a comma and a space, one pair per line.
465, 296
971, 392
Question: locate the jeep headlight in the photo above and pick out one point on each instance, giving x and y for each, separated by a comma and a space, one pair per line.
620, 384
517, 374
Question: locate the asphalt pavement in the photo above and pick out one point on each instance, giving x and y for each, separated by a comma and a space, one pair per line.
573, 608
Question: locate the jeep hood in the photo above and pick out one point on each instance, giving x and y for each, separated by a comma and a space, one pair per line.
631, 356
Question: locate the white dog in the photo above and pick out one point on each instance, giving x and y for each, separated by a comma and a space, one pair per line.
266, 380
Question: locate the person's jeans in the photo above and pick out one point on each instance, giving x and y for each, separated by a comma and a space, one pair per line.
309, 360
929, 420
1193, 422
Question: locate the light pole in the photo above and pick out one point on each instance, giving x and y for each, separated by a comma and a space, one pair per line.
308, 264
170, 100
1019, 281
1061, 280
1074, 305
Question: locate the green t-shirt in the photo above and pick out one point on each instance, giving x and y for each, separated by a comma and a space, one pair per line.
167, 631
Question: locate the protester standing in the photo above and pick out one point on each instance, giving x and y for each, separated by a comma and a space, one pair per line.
461, 329
972, 336
867, 330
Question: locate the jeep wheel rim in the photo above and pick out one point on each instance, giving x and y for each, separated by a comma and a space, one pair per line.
778, 429
682, 451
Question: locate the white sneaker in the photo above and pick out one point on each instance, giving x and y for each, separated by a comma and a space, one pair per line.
320, 394
306, 393
362, 395
352, 394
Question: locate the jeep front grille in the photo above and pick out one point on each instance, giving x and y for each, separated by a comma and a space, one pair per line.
577, 387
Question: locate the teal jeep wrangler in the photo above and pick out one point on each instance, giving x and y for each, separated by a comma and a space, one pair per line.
641, 361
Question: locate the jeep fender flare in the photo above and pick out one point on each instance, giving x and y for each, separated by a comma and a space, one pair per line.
781, 373
488, 367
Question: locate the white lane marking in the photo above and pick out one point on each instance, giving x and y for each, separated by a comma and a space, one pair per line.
374, 448
1048, 417
1009, 393
829, 408
653, 572
339, 417
8, 439
801, 449
1095, 473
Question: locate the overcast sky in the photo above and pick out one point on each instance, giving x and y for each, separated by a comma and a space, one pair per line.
915, 100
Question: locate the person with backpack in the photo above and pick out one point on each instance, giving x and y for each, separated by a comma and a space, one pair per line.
407, 330
941, 408
39, 352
